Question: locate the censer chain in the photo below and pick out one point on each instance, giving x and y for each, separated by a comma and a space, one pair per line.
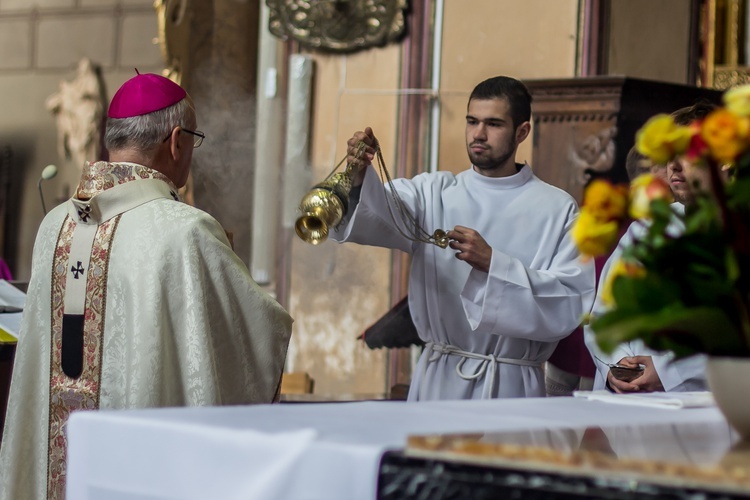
416, 232
412, 230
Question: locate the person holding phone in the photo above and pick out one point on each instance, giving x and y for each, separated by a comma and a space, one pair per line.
633, 367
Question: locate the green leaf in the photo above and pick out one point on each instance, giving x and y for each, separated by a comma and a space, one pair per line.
649, 293
738, 193
684, 331
732, 266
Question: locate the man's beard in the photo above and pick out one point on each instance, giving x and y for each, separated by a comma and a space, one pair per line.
491, 163
686, 198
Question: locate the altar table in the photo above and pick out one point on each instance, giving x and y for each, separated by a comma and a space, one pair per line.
303, 451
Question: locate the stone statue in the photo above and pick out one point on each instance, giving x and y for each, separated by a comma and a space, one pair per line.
596, 153
78, 107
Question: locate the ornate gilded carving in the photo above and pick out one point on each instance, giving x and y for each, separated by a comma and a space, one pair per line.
174, 37
338, 25
724, 62
173, 18
725, 78
573, 116
596, 153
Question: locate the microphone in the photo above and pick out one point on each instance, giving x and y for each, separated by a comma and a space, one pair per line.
48, 173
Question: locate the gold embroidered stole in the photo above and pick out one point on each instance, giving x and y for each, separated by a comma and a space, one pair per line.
68, 394
79, 288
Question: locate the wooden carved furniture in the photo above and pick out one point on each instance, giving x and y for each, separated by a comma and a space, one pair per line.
584, 127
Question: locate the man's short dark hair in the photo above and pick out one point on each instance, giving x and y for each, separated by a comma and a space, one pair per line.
636, 163
515, 92
689, 114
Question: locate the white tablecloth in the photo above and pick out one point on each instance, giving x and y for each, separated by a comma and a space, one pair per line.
321, 451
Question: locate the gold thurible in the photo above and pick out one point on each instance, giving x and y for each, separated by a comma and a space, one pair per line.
324, 206
327, 203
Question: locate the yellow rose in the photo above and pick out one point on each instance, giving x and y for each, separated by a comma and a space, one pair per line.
605, 200
621, 267
594, 236
661, 139
737, 100
726, 134
643, 190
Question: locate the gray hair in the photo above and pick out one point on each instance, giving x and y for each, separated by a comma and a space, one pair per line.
146, 132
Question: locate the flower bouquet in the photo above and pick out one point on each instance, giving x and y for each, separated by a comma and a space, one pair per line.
683, 285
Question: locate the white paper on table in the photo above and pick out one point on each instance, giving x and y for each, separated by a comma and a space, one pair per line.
11, 296
672, 400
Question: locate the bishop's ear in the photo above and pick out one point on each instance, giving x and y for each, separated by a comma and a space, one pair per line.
175, 144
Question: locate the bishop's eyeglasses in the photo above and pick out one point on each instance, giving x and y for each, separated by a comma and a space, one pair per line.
199, 136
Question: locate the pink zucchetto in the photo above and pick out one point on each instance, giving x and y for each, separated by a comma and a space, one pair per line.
143, 94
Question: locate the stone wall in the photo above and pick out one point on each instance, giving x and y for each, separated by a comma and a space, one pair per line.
41, 43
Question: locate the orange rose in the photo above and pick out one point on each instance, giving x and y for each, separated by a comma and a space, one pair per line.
643, 190
661, 139
726, 134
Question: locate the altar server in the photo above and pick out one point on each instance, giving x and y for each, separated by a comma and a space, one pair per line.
492, 307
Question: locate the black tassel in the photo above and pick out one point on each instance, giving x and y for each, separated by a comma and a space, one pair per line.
72, 345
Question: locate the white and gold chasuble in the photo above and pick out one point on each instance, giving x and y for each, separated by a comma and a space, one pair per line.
136, 300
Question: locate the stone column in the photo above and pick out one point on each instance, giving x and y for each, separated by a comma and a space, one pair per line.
222, 81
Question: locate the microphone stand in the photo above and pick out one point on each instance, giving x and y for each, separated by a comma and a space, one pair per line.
41, 195
49, 172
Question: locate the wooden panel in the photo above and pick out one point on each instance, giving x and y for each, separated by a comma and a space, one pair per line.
296, 383
584, 127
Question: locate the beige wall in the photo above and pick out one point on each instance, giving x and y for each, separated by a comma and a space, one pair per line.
336, 291
525, 40
38, 49
650, 39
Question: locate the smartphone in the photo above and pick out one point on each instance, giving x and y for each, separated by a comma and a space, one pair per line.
626, 373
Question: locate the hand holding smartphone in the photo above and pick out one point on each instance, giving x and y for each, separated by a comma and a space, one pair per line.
626, 373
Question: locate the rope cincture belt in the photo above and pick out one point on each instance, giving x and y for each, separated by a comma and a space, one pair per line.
434, 351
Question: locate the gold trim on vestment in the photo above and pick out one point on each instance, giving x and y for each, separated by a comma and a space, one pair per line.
67, 394
101, 175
